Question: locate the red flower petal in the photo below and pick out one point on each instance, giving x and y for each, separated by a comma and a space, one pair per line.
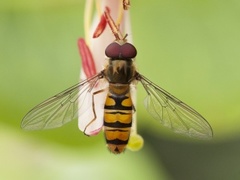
88, 64
101, 25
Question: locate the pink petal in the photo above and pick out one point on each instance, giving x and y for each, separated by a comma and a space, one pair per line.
88, 64
101, 25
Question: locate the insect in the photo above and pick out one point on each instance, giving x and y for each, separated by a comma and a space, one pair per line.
119, 76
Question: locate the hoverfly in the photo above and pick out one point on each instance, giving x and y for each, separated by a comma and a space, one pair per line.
119, 74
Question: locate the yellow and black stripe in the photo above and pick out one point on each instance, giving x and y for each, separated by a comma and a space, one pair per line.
118, 118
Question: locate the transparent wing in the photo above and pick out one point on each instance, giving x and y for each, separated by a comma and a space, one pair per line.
173, 113
61, 108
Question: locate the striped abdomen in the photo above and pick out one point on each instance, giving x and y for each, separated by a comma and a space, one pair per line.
118, 117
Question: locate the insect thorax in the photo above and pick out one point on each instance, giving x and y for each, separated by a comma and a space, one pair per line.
120, 71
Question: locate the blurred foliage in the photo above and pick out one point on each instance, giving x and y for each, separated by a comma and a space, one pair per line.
190, 48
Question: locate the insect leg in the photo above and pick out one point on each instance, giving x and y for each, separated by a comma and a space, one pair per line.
134, 109
93, 110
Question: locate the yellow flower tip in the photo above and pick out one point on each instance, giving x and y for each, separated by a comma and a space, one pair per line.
135, 142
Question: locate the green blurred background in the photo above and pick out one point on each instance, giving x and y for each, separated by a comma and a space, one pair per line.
190, 48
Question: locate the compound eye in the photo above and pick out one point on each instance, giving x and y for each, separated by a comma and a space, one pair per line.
128, 51
117, 51
113, 50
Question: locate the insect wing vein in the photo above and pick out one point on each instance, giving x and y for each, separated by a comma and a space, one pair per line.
61, 108
173, 113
